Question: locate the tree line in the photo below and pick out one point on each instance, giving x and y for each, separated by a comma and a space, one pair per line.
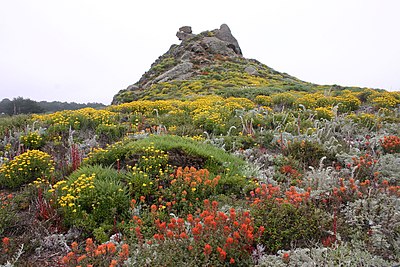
20, 105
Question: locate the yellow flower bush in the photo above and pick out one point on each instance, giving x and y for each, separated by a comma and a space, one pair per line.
26, 168
366, 119
263, 100
309, 100
77, 119
386, 100
348, 102
32, 140
324, 113
286, 99
70, 193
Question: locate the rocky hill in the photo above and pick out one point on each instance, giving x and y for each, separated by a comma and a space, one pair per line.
208, 63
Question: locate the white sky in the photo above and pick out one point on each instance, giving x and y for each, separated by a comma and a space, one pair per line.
87, 50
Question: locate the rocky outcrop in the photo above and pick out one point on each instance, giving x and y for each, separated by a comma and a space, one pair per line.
184, 61
201, 64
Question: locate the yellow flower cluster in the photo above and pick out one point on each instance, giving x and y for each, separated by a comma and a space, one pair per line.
100, 151
32, 140
41, 182
366, 119
386, 100
263, 100
70, 193
324, 113
75, 118
32, 160
152, 161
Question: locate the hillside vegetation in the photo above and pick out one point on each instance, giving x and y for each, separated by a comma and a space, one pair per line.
195, 172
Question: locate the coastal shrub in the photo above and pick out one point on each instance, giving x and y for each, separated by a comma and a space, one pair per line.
288, 217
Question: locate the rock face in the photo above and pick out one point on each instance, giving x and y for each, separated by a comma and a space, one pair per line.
185, 60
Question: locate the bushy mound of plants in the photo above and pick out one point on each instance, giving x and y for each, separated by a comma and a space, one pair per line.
177, 151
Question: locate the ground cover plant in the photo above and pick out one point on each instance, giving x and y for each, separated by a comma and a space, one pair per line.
276, 178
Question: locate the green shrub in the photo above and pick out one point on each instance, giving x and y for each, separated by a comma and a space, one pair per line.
307, 153
287, 224
283, 99
26, 168
109, 133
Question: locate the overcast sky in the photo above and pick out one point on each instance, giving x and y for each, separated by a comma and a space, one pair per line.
87, 50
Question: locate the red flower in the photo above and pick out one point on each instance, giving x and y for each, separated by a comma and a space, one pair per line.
207, 249
183, 235
6, 243
285, 257
232, 261
222, 253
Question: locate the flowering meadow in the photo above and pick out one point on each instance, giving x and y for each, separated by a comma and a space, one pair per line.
291, 178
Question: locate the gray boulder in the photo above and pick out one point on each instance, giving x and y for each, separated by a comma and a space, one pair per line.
251, 70
225, 34
184, 33
179, 72
185, 29
214, 45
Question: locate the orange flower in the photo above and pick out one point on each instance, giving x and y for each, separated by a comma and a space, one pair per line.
111, 247
170, 234
81, 258
65, 260
89, 245
236, 235
6, 243
153, 208
74, 246
232, 261
124, 251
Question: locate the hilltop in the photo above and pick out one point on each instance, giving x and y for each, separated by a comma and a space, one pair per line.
210, 62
